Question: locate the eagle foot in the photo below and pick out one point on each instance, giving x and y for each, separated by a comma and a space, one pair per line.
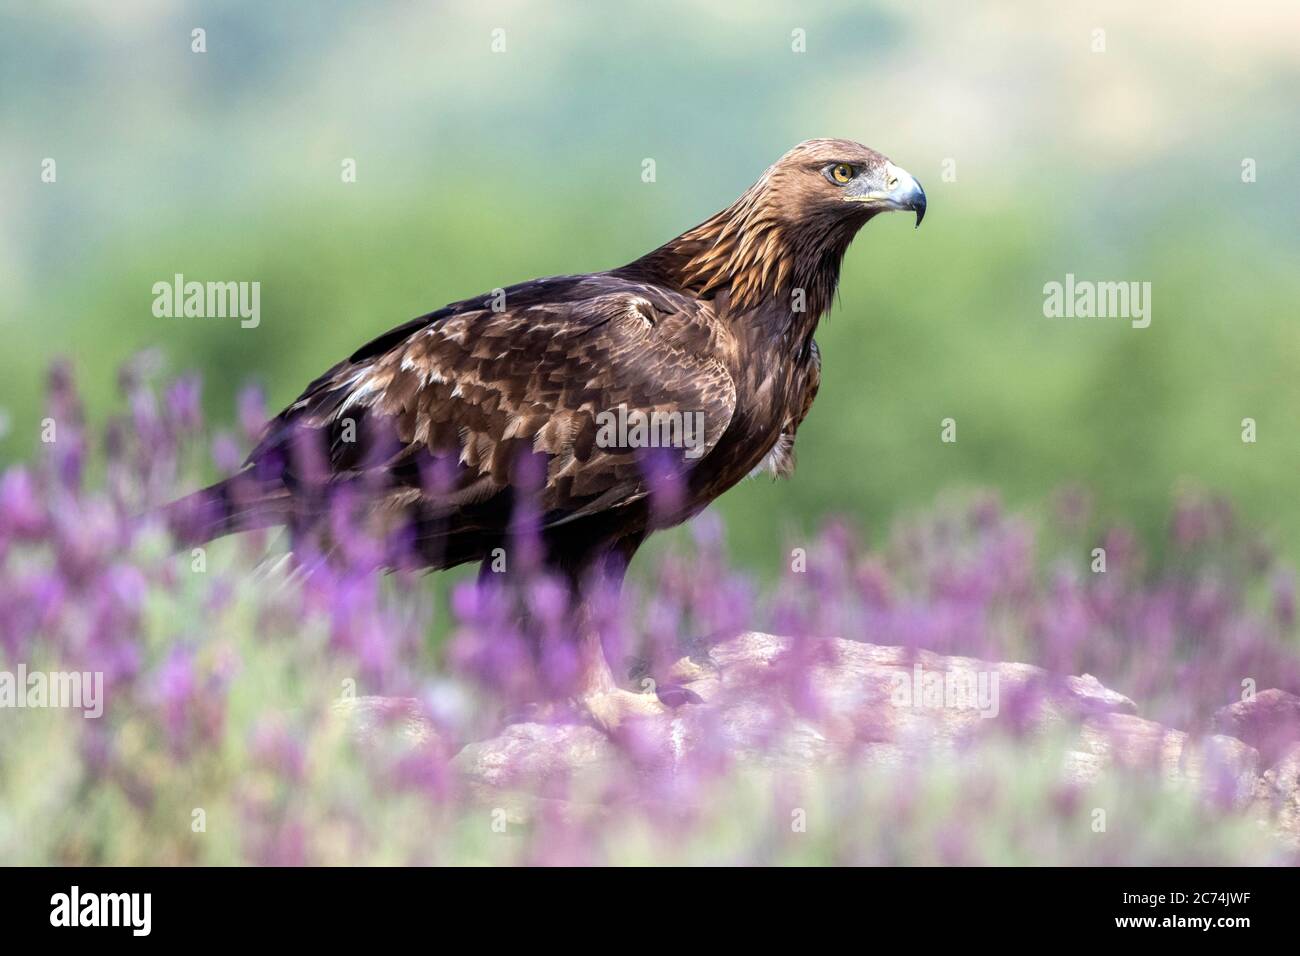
612, 708
673, 687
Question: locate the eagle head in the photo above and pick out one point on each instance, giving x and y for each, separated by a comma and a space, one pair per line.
789, 230
824, 179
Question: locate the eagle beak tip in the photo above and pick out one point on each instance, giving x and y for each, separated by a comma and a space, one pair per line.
914, 199
906, 192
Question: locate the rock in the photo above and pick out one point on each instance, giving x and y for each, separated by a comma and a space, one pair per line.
1279, 796
802, 706
1269, 722
831, 697
529, 756
1224, 767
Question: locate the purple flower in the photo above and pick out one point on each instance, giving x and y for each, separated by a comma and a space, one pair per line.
85, 585
252, 412
182, 402
22, 513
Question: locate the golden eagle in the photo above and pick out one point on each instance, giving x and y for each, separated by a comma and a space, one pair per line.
551, 395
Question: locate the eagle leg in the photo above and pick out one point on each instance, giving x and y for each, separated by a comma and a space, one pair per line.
598, 695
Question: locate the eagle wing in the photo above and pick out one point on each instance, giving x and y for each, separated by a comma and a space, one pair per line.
444, 410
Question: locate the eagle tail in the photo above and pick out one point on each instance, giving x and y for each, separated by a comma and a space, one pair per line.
235, 504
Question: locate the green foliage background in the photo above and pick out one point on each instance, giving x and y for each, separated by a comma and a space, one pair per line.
476, 170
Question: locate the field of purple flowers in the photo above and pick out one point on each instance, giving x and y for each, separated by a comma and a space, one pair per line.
230, 674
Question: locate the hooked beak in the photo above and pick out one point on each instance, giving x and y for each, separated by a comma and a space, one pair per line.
896, 188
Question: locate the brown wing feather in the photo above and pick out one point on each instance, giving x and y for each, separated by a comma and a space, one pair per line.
482, 389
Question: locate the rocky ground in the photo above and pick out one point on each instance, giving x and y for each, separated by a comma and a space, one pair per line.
882, 705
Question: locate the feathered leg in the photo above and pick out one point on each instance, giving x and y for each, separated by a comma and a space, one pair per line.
599, 694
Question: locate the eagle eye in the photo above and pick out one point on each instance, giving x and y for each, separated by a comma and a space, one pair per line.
840, 173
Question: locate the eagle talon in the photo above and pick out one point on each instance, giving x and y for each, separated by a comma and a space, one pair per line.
614, 708
673, 690
675, 695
